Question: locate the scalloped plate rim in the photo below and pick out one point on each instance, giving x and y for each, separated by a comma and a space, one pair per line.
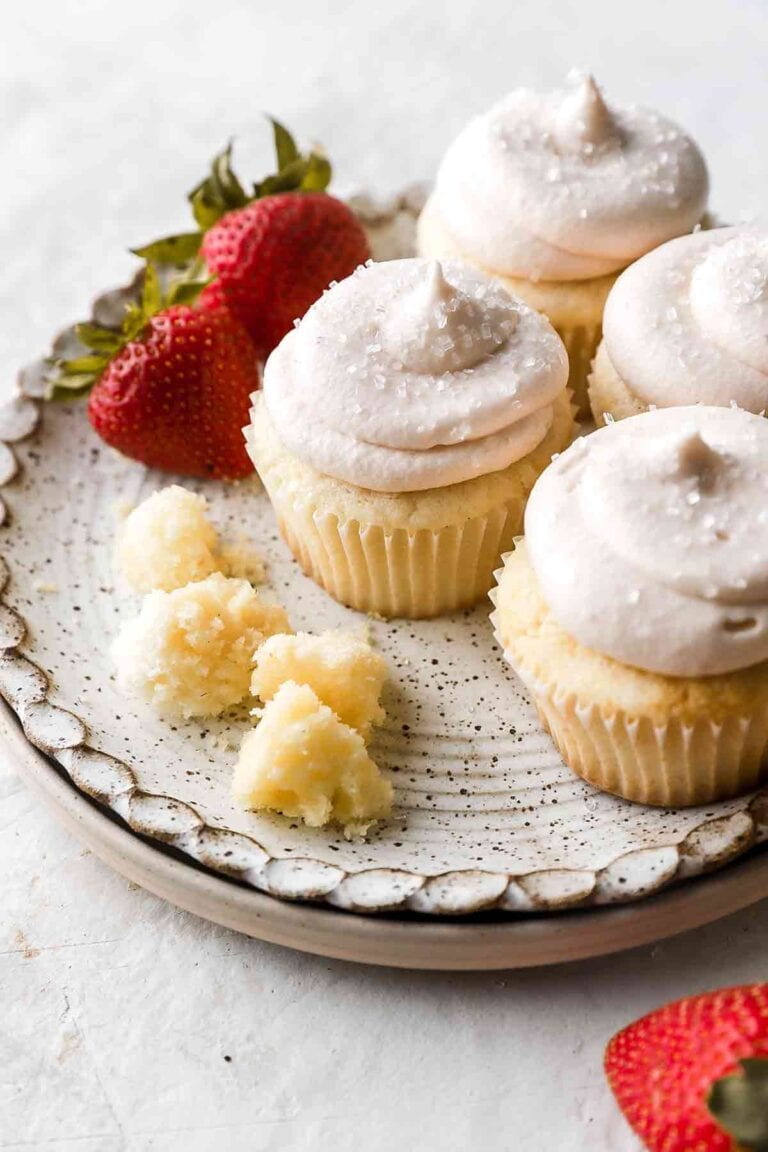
416, 942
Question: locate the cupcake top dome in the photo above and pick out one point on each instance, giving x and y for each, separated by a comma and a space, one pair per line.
649, 540
689, 322
413, 374
563, 186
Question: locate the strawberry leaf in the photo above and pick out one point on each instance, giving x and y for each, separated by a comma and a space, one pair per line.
739, 1104
175, 250
318, 174
305, 174
227, 184
204, 209
185, 291
285, 145
68, 378
104, 340
151, 294
82, 365
220, 192
60, 388
288, 179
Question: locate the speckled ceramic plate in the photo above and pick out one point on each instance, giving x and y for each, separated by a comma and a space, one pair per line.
487, 815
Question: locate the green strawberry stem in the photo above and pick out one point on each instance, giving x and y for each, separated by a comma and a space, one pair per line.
71, 377
739, 1104
221, 192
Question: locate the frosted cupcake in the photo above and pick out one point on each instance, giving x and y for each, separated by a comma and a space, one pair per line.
400, 429
636, 609
687, 324
554, 194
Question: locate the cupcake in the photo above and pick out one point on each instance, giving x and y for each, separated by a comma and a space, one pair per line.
687, 324
555, 194
636, 608
401, 426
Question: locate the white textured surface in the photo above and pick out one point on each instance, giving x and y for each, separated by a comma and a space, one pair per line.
117, 1010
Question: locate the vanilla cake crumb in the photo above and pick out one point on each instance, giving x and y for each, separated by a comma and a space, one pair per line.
45, 586
167, 541
122, 508
190, 651
303, 761
341, 668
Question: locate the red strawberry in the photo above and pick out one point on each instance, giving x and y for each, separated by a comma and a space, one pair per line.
172, 388
693, 1076
275, 250
212, 298
275, 257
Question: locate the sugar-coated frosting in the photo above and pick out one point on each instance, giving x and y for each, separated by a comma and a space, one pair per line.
689, 322
649, 539
411, 375
565, 187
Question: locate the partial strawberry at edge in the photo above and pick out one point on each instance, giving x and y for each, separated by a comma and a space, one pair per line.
178, 397
275, 257
694, 1075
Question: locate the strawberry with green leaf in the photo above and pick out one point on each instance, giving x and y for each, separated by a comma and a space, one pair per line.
693, 1076
171, 388
273, 250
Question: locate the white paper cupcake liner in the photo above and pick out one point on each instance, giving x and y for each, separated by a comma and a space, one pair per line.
674, 765
581, 342
397, 572
609, 397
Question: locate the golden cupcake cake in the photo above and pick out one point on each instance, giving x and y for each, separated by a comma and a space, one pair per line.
555, 194
636, 608
687, 324
400, 429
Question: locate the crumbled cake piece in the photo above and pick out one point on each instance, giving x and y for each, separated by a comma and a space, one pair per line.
341, 668
301, 760
45, 586
240, 558
190, 651
167, 541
